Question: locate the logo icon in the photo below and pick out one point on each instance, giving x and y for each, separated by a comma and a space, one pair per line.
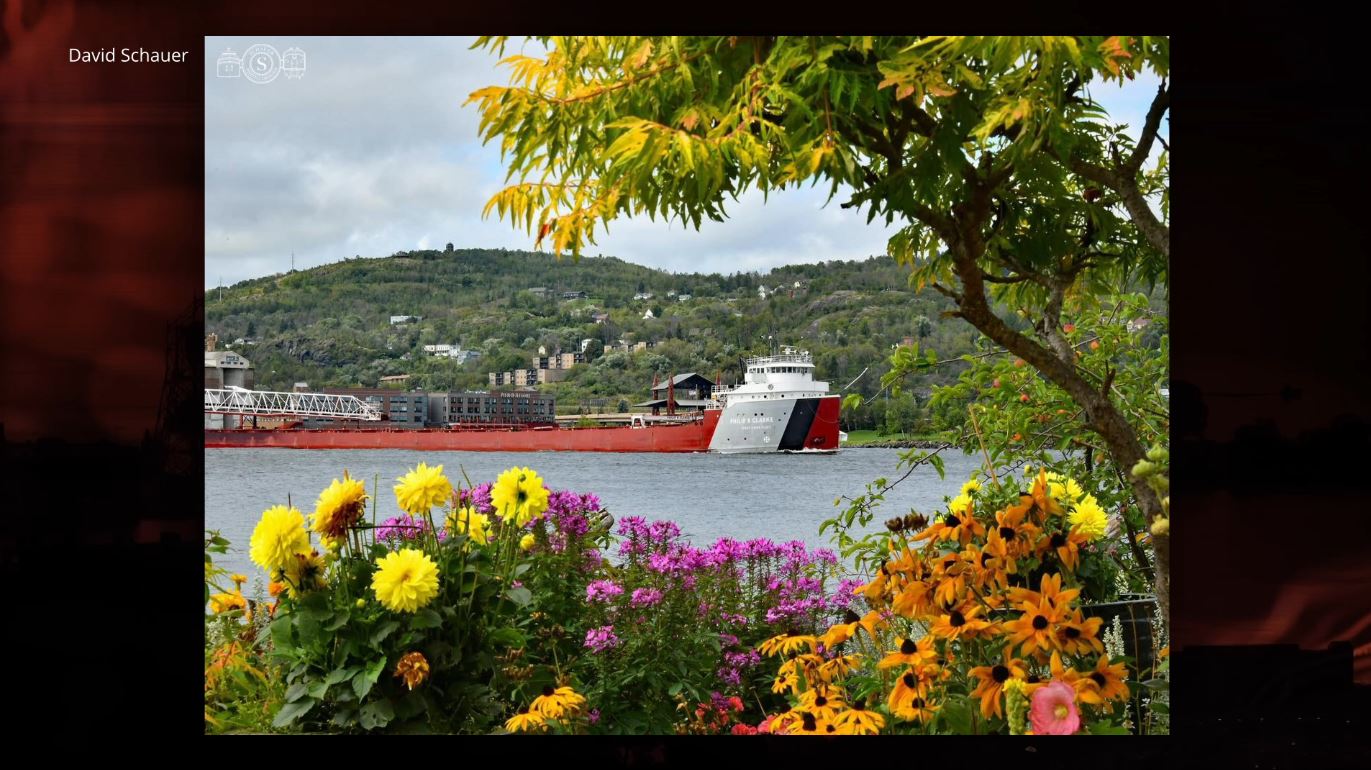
261, 63
229, 65
293, 63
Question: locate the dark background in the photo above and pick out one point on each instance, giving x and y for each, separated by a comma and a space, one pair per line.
101, 260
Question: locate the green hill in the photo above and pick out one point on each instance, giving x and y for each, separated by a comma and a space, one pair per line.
331, 325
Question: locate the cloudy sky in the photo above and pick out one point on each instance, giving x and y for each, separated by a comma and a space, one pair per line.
371, 152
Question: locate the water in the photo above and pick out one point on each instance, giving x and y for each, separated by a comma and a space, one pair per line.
780, 496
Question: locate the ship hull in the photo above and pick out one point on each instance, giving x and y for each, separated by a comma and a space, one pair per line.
781, 425
683, 437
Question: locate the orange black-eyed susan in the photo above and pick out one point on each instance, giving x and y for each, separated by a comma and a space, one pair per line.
1078, 635
991, 681
859, 720
910, 653
962, 621
824, 701
1104, 683
910, 688
1035, 629
784, 644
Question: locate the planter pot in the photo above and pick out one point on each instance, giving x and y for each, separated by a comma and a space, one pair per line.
1135, 616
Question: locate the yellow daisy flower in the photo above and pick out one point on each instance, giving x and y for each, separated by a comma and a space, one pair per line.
278, 537
785, 645
858, 720
405, 580
466, 521
526, 722
339, 507
304, 572
422, 488
519, 494
1088, 518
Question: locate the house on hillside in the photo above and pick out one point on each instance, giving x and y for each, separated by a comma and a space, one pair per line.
643, 295
647, 314
600, 318
542, 292
573, 295
403, 319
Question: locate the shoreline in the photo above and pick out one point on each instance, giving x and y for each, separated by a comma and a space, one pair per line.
895, 444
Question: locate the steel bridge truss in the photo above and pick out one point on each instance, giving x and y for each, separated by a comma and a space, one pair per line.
265, 402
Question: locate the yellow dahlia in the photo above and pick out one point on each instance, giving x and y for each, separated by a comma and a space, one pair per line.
413, 668
526, 542
278, 537
339, 508
224, 602
304, 572
960, 503
405, 580
422, 488
466, 521
971, 486
519, 494
1088, 518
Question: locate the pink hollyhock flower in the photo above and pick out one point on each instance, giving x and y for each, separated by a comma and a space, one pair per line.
741, 729
1054, 710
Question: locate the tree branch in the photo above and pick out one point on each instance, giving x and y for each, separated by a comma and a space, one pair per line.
1149, 132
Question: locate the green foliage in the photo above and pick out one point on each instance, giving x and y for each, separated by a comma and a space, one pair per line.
330, 326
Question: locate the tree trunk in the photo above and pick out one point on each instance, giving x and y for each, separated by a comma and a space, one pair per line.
1101, 414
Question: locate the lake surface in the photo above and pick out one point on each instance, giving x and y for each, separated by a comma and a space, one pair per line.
780, 496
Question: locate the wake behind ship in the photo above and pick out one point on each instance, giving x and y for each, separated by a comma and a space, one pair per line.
779, 407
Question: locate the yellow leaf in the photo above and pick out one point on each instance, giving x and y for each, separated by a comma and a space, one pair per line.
904, 91
688, 122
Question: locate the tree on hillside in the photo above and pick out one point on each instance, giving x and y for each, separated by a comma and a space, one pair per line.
1009, 181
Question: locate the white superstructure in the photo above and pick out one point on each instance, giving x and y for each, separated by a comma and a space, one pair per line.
775, 407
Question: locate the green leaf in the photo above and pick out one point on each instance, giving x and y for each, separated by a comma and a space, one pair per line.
426, 619
675, 688
293, 711
296, 691
378, 714
366, 679
520, 596
937, 462
509, 637
340, 675
1108, 729
956, 714
385, 630
1157, 684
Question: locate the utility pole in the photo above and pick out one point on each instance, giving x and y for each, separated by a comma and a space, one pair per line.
292, 261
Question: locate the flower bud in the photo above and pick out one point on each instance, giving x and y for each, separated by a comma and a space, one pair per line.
1143, 469
1161, 527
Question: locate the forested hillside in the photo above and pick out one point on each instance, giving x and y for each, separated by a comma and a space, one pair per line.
331, 325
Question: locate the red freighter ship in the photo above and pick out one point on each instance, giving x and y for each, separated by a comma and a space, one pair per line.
779, 407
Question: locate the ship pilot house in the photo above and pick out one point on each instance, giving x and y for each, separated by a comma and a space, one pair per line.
689, 392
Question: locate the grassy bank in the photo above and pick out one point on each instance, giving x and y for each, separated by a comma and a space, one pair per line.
863, 437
